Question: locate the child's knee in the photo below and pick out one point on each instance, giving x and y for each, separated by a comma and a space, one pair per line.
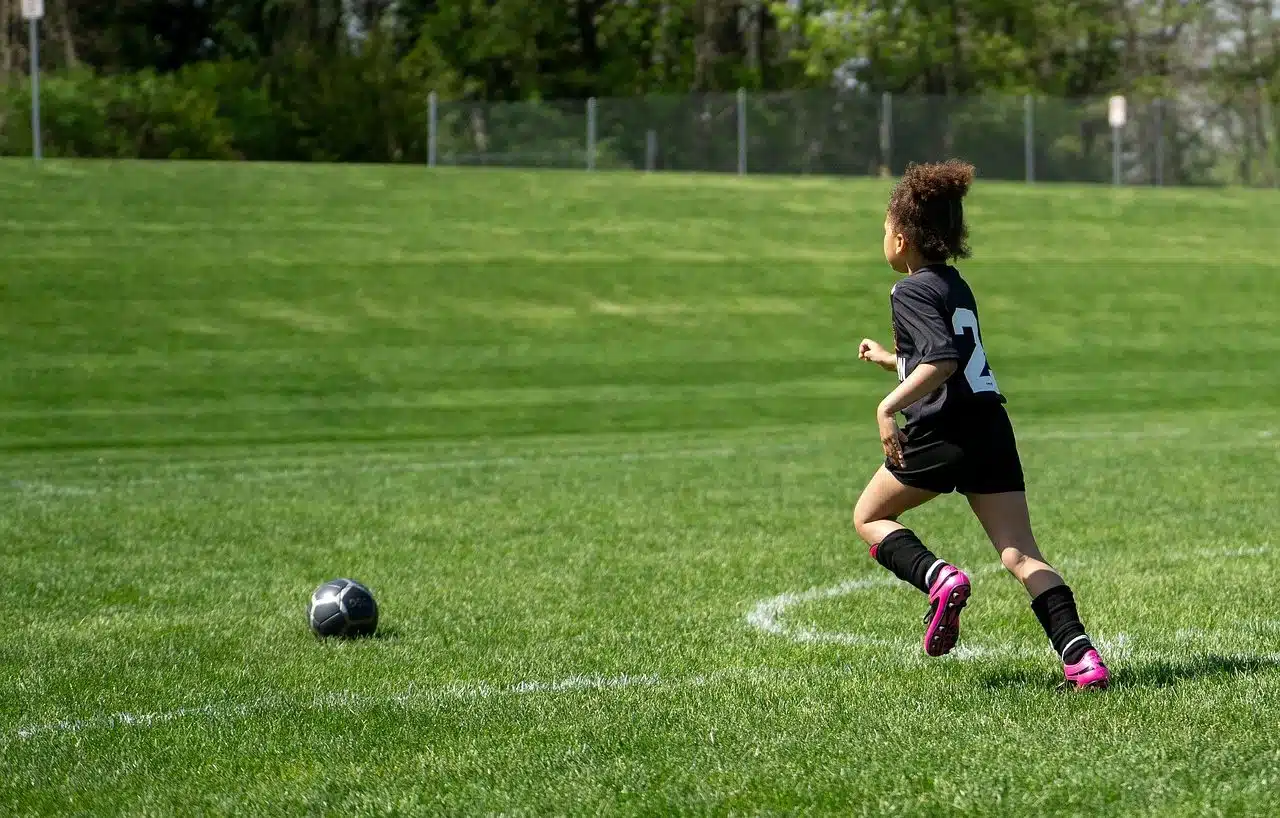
864, 514
1013, 560
1018, 558
872, 527
862, 519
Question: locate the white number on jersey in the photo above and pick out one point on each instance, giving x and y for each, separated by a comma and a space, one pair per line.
962, 320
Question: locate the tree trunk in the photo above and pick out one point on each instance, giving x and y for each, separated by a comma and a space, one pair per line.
589, 40
6, 43
62, 13
754, 33
951, 85
704, 43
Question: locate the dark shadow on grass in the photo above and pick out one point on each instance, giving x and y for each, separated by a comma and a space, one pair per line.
1167, 673
1146, 673
382, 634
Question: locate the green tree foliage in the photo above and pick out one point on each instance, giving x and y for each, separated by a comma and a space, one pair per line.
350, 79
951, 47
138, 115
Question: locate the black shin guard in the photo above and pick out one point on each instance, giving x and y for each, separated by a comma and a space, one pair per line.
1056, 610
903, 554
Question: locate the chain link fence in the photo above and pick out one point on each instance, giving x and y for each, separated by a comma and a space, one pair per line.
1195, 138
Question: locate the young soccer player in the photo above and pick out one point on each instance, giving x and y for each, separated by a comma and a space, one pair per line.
957, 435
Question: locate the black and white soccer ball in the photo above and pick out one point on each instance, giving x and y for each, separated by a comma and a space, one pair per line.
342, 607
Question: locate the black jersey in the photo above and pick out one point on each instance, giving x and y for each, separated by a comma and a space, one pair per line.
935, 318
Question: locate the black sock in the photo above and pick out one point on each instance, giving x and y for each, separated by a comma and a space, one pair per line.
1056, 610
903, 554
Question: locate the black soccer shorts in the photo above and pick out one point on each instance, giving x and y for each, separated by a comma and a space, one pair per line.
971, 452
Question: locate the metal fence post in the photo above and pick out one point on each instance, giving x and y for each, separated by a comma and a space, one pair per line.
1029, 136
742, 131
1264, 131
591, 133
1115, 156
886, 134
433, 136
33, 32
1159, 103
650, 150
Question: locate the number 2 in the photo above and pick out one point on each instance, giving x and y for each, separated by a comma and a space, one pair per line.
964, 319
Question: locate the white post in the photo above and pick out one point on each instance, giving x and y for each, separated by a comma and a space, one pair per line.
1029, 136
591, 133
886, 134
742, 131
33, 11
651, 150
433, 135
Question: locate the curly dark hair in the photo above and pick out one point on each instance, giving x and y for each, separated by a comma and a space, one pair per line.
926, 208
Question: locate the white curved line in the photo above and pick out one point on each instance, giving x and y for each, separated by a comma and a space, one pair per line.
767, 616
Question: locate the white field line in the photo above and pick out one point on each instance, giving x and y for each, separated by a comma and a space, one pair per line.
339, 453
457, 399
414, 696
1240, 551
41, 487
767, 616
393, 464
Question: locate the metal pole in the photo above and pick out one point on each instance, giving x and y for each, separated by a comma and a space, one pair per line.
1029, 136
591, 133
1159, 142
1115, 156
742, 131
433, 135
33, 33
1264, 131
886, 134
650, 150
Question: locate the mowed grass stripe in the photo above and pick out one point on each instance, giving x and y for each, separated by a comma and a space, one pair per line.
1254, 441
1234, 430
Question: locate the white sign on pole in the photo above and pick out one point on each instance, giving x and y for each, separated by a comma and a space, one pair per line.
1116, 112
32, 9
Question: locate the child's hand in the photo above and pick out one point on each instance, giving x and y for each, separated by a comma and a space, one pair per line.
891, 437
871, 351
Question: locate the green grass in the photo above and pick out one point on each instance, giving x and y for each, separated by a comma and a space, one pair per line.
575, 431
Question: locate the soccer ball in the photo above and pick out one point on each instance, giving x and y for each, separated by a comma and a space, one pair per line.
342, 607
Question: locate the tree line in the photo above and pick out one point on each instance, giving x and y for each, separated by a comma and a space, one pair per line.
348, 80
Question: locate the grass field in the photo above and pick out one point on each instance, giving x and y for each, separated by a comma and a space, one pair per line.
593, 441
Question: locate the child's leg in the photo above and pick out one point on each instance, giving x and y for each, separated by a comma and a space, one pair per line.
898, 548
893, 545
1008, 523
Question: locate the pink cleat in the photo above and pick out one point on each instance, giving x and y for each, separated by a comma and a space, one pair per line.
947, 597
1088, 674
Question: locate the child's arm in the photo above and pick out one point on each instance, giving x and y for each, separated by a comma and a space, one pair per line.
871, 351
923, 379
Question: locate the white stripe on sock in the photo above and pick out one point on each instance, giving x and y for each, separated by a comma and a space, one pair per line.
1067, 647
928, 577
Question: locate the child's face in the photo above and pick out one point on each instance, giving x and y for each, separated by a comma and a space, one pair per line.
895, 247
